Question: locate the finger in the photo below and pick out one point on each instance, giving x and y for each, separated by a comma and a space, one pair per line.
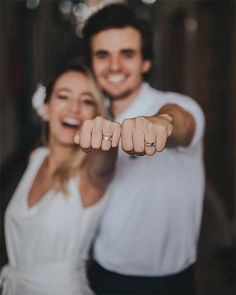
76, 137
170, 123
150, 139
116, 127
161, 137
96, 141
169, 129
126, 135
107, 135
138, 135
85, 135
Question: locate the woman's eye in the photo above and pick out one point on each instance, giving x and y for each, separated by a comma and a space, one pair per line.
62, 96
88, 101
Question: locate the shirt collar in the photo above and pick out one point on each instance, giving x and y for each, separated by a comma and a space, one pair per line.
138, 105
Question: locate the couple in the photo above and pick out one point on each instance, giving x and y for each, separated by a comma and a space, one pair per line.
143, 213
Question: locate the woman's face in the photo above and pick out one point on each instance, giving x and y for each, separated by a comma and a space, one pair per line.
71, 103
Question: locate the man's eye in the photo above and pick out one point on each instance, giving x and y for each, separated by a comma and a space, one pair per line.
128, 54
101, 55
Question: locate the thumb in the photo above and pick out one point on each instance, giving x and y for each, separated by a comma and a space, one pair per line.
76, 138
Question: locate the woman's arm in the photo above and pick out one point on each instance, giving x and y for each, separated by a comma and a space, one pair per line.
101, 167
100, 138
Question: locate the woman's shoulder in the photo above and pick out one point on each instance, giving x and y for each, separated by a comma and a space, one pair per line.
39, 152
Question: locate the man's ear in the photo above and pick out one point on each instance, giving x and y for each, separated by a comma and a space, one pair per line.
146, 66
45, 114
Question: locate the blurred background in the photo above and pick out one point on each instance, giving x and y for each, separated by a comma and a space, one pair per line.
195, 46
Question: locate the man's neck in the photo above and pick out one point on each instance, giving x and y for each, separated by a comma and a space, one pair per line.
119, 105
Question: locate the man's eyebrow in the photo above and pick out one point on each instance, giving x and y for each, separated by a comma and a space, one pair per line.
124, 50
128, 50
99, 51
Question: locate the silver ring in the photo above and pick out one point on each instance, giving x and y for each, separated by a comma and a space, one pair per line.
150, 144
107, 137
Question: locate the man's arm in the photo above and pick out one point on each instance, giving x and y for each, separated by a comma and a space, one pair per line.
183, 124
172, 126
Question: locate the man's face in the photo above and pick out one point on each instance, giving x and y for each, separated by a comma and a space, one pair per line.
118, 63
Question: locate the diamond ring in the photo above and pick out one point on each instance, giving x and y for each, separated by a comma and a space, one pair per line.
107, 137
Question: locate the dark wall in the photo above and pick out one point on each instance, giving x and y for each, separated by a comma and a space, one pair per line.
195, 55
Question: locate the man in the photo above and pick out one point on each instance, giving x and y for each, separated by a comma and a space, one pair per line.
147, 240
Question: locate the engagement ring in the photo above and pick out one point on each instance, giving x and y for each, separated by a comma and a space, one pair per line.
107, 137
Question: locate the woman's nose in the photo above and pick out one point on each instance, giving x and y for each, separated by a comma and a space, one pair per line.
74, 106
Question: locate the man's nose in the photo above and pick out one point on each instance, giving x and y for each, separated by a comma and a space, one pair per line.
115, 63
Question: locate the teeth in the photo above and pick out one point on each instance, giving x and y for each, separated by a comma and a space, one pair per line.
71, 121
116, 78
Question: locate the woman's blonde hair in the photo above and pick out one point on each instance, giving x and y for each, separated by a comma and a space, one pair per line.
71, 167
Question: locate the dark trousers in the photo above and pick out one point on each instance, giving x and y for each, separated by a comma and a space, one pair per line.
103, 281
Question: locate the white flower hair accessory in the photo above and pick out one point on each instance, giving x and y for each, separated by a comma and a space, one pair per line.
38, 99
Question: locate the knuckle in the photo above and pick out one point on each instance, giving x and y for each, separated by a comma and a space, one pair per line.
140, 121
127, 123
150, 126
161, 128
82, 130
87, 124
99, 120
106, 122
117, 127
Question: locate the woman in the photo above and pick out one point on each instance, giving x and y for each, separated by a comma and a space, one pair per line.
54, 211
